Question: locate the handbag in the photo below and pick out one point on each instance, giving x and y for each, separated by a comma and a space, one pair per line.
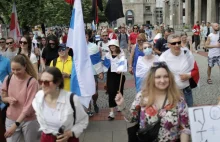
148, 134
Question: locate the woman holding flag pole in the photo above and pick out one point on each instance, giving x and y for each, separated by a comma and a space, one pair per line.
114, 63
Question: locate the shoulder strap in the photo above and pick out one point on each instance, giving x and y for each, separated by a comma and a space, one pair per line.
54, 62
29, 81
73, 107
8, 80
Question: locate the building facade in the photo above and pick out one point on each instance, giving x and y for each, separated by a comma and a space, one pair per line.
140, 12
179, 12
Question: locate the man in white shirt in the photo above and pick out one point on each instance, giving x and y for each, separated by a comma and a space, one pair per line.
213, 44
181, 64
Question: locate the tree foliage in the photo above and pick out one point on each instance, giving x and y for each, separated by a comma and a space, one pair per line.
49, 12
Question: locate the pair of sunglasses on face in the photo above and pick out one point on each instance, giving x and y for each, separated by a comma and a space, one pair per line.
7, 43
45, 82
22, 42
174, 43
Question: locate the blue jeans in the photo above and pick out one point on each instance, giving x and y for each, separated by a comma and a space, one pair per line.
188, 96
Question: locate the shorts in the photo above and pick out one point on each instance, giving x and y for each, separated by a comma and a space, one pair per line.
213, 61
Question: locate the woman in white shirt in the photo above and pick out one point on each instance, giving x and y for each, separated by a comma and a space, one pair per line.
144, 63
59, 119
25, 48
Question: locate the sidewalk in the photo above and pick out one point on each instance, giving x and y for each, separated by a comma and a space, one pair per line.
101, 130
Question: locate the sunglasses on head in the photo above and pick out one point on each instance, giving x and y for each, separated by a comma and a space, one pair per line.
9, 43
45, 82
159, 64
174, 43
24, 42
104, 35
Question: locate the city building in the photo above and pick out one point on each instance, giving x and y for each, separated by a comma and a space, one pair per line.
140, 12
180, 12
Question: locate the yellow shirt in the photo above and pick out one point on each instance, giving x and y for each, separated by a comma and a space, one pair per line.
65, 67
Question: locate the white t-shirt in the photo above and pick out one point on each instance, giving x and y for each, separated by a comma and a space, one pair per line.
213, 41
33, 58
182, 64
104, 48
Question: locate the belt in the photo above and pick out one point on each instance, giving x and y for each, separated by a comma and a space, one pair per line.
188, 87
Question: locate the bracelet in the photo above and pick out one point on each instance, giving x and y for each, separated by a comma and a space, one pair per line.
17, 124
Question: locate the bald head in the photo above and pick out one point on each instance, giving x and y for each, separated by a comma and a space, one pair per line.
215, 27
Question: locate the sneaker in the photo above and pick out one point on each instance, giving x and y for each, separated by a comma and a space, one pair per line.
90, 114
111, 116
96, 108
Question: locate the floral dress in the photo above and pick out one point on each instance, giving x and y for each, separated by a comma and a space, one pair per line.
174, 120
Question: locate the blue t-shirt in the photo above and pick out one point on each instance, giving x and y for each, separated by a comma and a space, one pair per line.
5, 69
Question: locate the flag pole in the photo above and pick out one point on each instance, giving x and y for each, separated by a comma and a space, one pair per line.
119, 90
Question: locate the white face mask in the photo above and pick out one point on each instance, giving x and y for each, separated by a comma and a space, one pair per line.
148, 51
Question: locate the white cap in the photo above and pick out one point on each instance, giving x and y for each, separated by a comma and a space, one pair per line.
113, 42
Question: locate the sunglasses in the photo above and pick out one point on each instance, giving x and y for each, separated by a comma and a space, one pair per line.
52, 43
45, 82
159, 64
174, 43
2, 42
140, 40
61, 49
9, 43
24, 42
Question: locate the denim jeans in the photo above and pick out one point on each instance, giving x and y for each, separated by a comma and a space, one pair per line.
188, 96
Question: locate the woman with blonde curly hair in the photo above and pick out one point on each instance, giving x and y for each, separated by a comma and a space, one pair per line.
158, 105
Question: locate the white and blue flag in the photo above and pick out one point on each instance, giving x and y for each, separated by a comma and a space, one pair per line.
117, 64
82, 78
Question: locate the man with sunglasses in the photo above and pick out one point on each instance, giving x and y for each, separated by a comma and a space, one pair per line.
64, 64
183, 66
11, 48
3, 48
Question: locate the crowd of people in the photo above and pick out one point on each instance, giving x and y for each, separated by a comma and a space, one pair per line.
37, 103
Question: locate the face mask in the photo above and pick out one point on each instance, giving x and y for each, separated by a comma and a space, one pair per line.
148, 51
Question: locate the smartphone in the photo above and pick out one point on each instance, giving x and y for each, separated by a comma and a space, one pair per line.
61, 130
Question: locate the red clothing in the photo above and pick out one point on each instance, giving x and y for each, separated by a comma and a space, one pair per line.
133, 37
64, 38
51, 138
196, 29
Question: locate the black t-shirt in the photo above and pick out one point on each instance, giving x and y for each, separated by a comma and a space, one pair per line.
49, 54
161, 45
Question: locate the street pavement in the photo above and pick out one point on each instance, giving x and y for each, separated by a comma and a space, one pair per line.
115, 131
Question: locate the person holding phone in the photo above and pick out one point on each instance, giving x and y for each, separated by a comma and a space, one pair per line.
55, 113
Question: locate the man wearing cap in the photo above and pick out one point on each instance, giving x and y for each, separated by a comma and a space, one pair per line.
64, 64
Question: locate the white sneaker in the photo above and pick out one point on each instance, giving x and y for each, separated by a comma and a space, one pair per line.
111, 116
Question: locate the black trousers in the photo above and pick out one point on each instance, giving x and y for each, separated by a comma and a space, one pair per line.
196, 40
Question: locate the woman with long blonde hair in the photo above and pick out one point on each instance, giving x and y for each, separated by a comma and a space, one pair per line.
159, 102
18, 90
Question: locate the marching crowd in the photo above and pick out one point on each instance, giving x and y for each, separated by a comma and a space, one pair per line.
37, 105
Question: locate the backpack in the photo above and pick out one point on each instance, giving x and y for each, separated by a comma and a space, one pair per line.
73, 107
119, 38
9, 78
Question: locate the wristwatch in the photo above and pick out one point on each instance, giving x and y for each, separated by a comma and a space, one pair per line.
17, 124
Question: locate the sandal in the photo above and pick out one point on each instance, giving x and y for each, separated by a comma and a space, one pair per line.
209, 81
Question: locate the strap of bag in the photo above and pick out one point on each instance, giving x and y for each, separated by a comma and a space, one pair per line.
29, 80
54, 62
73, 107
165, 100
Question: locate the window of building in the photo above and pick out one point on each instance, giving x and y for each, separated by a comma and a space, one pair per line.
147, 8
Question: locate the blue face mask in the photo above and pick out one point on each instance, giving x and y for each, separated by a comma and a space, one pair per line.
148, 51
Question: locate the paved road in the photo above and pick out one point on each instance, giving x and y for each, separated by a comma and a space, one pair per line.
115, 131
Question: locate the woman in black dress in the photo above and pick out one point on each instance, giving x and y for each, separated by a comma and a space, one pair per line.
113, 77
